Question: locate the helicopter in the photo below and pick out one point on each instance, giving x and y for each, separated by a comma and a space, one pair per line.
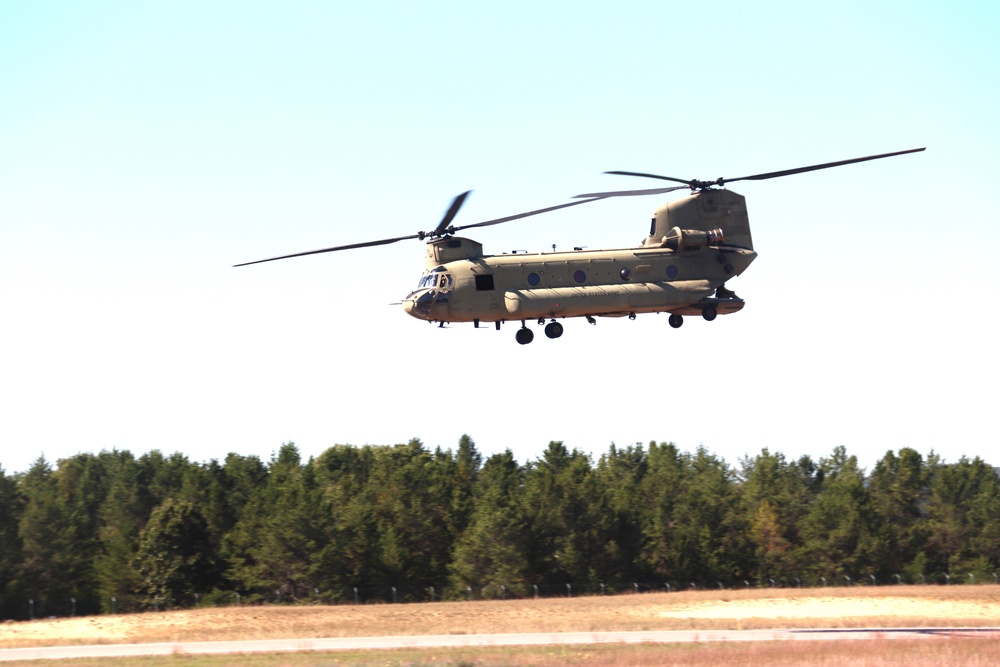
694, 246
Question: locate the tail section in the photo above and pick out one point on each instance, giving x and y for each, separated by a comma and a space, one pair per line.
706, 210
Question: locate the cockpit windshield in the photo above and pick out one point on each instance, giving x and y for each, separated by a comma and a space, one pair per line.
441, 281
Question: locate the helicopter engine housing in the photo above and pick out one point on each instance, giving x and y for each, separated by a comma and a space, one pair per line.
706, 211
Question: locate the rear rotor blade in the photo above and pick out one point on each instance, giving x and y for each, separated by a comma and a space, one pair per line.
827, 165
695, 184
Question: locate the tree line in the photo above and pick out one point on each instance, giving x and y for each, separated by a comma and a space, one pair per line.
114, 532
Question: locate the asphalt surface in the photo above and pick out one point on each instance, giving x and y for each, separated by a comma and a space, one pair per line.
477, 640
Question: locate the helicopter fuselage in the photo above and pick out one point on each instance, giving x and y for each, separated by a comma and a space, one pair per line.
694, 246
610, 283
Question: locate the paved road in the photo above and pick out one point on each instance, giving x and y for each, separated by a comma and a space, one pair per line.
454, 641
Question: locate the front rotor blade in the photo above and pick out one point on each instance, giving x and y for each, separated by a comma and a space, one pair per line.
800, 170
456, 204
335, 248
523, 215
632, 193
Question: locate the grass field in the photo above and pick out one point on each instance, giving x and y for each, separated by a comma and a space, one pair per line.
883, 653
896, 606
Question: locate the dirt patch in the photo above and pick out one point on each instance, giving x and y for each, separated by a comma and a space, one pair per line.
841, 608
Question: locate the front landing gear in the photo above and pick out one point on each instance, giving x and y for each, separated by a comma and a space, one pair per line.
676, 320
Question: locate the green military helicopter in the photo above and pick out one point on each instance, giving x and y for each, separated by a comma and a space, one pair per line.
694, 246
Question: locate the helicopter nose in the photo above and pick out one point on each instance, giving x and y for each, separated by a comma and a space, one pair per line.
418, 304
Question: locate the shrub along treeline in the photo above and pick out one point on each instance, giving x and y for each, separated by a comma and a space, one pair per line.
112, 532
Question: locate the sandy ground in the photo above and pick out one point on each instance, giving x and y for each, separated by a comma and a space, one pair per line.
840, 608
743, 609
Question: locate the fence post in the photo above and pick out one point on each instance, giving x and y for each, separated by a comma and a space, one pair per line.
468, 590
535, 586
355, 594
114, 605
394, 595
569, 590
899, 579
73, 606
31, 609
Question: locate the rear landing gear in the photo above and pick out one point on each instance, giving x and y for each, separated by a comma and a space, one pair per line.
525, 335
676, 320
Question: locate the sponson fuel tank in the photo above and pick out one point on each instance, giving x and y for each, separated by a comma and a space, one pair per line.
605, 299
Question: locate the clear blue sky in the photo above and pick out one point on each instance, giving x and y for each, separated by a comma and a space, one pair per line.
147, 147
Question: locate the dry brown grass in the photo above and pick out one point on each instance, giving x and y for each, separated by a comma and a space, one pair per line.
938, 652
896, 606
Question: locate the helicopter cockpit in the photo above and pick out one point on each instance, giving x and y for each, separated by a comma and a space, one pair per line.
433, 288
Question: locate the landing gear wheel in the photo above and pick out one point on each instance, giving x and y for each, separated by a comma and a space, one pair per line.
524, 335
676, 320
553, 330
709, 313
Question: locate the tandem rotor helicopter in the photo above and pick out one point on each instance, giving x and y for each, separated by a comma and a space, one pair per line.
694, 246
